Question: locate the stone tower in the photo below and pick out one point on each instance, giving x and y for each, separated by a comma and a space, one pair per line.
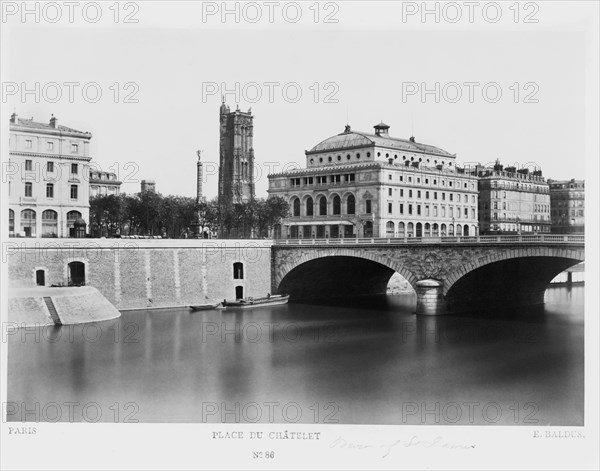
236, 156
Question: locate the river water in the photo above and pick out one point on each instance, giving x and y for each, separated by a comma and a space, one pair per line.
369, 362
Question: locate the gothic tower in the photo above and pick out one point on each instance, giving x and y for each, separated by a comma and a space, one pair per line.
236, 159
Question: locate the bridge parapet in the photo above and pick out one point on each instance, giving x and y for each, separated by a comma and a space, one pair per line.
529, 239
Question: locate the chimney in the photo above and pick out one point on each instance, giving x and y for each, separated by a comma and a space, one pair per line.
13, 118
53, 122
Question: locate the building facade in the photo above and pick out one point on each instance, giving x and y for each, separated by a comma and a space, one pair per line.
104, 183
567, 206
358, 184
48, 187
236, 156
513, 201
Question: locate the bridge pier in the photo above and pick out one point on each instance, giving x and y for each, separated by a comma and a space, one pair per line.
430, 298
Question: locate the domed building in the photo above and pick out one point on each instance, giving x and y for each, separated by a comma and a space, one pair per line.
359, 184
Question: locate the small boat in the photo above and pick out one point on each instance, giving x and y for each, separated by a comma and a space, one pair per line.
244, 303
204, 307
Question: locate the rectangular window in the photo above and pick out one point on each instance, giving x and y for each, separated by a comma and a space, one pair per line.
443, 211
389, 208
419, 209
389, 192
410, 209
427, 181
435, 212
28, 144
409, 179
50, 145
427, 211
418, 193
50, 167
390, 176
435, 195
410, 193
402, 208
74, 169
427, 195
368, 206
28, 165
74, 148
28, 189
451, 197
401, 193
401, 178
49, 190
73, 192
466, 212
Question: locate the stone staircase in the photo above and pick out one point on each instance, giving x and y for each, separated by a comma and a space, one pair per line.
52, 309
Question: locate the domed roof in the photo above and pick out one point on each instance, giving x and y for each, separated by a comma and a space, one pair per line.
79, 222
342, 141
351, 139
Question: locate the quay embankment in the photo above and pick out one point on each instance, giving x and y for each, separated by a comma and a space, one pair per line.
138, 273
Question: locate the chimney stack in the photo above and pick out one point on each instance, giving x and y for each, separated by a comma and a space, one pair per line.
53, 122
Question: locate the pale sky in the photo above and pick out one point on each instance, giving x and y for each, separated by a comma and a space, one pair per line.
370, 55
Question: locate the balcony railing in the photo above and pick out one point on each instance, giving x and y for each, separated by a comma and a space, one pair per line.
505, 239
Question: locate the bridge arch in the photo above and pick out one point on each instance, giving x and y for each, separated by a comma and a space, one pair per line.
340, 272
517, 275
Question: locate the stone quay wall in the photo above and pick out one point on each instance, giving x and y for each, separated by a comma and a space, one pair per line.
146, 273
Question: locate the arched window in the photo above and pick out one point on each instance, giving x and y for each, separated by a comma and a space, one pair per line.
351, 205
435, 230
296, 206
238, 271
410, 229
239, 292
466, 231
49, 223
443, 227
322, 206
309, 206
76, 274
401, 230
337, 205
459, 230
28, 222
389, 229
72, 216
427, 229
451, 230
11, 221
419, 230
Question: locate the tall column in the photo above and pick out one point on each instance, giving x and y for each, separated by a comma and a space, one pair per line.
430, 299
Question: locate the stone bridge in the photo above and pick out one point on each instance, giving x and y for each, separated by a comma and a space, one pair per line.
449, 274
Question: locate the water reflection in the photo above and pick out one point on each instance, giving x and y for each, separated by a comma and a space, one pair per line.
370, 361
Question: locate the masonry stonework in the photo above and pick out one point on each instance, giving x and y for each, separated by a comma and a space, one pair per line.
144, 274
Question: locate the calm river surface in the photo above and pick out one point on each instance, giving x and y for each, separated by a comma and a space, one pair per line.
371, 362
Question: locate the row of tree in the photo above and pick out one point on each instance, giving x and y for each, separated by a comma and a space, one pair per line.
150, 213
